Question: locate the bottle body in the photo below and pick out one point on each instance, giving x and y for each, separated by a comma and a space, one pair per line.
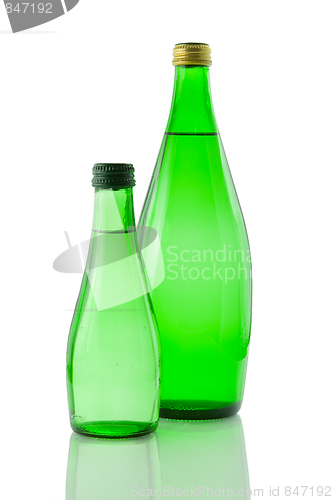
113, 346
203, 305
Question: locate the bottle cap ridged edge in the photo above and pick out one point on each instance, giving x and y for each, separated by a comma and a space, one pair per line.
113, 175
192, 54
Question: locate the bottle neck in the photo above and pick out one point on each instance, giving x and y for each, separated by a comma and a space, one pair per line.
113, 210
192, 108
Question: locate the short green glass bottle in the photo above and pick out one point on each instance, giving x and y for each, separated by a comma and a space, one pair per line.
113, 347
203, 304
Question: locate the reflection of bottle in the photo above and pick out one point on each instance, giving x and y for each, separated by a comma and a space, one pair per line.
113, 351
209, 455
203, 306
100, 469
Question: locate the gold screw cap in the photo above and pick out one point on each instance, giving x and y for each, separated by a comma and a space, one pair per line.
194, 54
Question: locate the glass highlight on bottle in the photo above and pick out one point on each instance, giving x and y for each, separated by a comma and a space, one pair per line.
113, 345
203, 305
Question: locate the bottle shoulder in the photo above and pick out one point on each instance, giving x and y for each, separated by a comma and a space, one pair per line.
192, 193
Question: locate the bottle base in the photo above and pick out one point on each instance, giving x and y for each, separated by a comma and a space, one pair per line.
114, 429
197, 410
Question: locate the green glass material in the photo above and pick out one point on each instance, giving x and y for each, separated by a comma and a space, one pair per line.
113, 346
203, 305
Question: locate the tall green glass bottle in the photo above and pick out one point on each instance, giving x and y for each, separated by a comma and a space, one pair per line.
113, 345
203, 305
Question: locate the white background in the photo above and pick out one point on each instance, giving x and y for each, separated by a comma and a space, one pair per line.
95, 86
